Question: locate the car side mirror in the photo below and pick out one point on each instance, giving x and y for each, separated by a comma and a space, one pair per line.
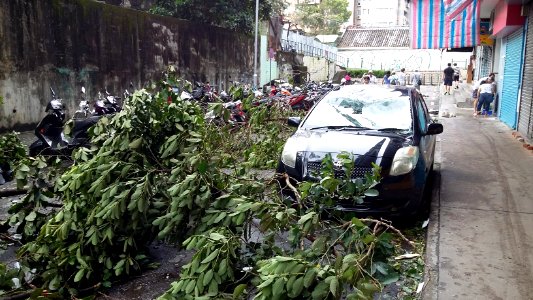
294, 121
434, 128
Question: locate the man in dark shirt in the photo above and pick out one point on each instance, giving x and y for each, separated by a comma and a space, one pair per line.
448, 78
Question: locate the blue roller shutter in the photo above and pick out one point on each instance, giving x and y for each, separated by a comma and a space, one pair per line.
511, 77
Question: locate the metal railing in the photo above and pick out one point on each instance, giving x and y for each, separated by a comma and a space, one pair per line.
313, 51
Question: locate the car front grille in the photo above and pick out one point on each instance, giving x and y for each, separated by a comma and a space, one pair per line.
314, 168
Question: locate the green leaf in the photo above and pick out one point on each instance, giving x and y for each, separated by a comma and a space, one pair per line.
210, 257
31, 217
190, 286
279, 286
213, 287
223, 266
334, 286
23, 168
357, 222
309, 277
136, 143
297, 287
392, 277
208, 276
238, 290
79, 275
306, 217
217, 236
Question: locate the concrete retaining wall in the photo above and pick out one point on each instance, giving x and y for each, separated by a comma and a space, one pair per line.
66, 44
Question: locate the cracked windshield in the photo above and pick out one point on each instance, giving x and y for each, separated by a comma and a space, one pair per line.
360, 107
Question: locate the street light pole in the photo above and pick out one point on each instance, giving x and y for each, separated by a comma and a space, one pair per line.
255, 42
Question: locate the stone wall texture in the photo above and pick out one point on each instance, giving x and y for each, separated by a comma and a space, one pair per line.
67, 44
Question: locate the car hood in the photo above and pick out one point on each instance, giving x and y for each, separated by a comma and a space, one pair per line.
314, 144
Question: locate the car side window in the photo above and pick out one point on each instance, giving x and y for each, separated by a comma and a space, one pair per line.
422, 116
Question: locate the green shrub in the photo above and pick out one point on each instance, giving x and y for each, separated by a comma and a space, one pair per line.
358, 73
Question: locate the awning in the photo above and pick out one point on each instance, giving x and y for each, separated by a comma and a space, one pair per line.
437, 24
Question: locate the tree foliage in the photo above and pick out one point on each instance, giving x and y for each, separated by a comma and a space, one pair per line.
323, 18
11, 149
231, 14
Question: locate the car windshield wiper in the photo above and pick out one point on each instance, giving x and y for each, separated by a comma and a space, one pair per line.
341, 127
392, 129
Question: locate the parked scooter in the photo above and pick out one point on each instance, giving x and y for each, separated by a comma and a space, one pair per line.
51, 140
106, 105
83, 111
49, 131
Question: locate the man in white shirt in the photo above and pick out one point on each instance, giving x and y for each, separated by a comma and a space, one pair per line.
456, 75
485, 95
475, 90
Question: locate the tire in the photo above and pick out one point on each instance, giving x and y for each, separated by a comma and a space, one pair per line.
425, 203
36, 148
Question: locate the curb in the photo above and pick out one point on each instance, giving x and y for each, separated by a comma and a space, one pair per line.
431, 259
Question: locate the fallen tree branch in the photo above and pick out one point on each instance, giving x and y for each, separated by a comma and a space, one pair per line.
389, 226
6, 237
7, 192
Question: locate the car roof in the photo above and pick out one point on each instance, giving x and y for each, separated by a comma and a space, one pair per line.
364, 87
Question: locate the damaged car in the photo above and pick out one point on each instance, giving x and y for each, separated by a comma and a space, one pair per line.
387, 126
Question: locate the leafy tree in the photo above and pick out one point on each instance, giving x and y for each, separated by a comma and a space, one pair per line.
231, 14
323, 18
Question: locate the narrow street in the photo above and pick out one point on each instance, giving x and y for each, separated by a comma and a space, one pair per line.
479, 245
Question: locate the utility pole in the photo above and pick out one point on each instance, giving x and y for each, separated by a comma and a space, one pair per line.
255, 42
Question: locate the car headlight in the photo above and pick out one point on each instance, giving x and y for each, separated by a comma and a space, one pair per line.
288, 156
404, 161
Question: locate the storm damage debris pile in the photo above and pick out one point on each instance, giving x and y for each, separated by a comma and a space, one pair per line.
159, 170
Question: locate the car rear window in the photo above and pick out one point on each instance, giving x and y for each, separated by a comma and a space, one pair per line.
374, 107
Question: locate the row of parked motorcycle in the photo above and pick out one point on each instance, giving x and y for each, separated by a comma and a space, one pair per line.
51, 139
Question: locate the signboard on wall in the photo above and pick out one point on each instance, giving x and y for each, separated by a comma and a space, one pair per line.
485, 33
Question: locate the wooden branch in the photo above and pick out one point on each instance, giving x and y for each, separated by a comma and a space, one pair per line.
7, 192
378, 223
296, 193
4, 236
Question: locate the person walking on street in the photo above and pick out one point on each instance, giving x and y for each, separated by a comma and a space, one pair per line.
401, 77
456, 75
386, 78
448, 78
348, 79
416, 80
373, 78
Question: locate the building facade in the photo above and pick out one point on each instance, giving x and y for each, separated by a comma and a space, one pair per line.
509, 55
379, 14
388, 49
